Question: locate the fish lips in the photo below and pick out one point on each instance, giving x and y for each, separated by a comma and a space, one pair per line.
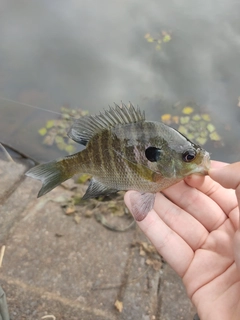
204, 166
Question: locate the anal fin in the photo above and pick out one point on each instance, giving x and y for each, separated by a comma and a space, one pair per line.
96, 189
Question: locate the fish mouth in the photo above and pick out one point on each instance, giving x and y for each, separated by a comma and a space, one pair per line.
204, 165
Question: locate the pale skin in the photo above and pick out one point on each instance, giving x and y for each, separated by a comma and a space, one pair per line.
195, 227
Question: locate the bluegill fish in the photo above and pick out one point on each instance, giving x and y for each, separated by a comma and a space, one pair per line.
124, 151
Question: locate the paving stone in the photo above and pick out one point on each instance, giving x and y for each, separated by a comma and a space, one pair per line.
30, 303
10, 175
86, 263
52, 265
16, 205
139, 295
175, 304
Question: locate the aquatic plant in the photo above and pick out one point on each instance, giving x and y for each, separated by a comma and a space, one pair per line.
54, 132
160, 39
194, 124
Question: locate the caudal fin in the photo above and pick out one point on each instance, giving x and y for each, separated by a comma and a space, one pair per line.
51, 175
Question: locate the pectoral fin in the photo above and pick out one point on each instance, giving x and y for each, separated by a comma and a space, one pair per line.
141, 204
96, 189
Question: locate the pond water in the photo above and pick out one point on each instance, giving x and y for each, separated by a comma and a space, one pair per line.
161, 55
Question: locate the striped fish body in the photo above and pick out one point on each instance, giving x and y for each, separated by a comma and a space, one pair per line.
116, 158
124, 151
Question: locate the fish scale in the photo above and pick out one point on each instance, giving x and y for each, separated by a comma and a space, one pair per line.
124, 151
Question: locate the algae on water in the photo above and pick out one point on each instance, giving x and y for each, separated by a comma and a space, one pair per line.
195, 125
54, 132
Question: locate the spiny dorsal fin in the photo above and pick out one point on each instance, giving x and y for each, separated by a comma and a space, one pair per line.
83, 129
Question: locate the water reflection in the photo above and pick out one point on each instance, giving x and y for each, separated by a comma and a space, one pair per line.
88, 56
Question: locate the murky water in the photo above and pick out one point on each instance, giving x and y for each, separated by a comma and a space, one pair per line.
89, 55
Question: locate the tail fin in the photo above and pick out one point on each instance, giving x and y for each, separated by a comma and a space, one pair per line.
51, 174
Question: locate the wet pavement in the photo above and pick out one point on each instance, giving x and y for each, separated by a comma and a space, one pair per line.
55, 267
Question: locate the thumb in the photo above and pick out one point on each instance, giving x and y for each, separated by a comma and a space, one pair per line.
228, 176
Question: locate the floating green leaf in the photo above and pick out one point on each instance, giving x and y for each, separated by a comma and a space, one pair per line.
55, 131
190, 136
167, 38
59, 139
201, 140
204, 134
184, 120
187, 110
206, 117
162, 38
211, 127
42, 131
196, 117
150, 39
66, 116
183, 130
49, 124
188, 119
215, 136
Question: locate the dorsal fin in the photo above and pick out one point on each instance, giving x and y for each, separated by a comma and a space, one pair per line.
83, 129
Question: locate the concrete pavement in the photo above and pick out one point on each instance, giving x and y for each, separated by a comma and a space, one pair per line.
59, 266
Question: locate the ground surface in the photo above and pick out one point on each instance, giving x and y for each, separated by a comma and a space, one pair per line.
71, 267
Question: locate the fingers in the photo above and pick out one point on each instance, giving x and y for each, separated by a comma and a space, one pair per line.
228, 177
196, 203
218, 164
184, 224
224, 198
168, 243
180, 221
193, 197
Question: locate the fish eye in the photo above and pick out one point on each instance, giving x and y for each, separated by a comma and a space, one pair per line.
153, 154
189, 155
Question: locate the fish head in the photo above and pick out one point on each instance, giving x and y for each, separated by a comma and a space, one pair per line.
172, 155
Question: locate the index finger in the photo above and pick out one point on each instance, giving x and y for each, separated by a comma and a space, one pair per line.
228, 177
194, 201
215, 186
225, 198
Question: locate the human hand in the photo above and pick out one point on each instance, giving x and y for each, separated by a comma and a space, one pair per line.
194, 225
